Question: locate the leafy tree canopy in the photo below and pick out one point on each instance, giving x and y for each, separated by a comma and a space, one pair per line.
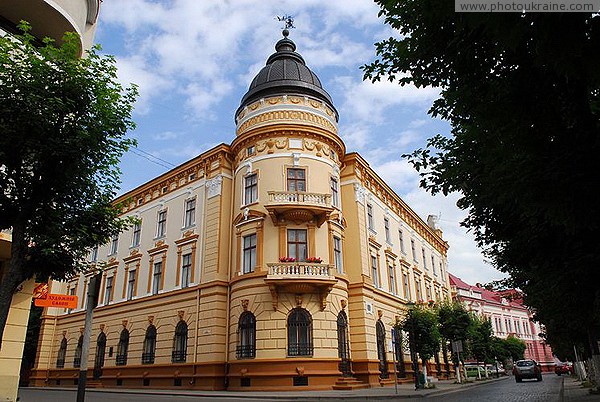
422, 327
64, 121
524, 106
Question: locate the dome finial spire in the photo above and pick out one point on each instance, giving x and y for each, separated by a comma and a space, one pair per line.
289, 23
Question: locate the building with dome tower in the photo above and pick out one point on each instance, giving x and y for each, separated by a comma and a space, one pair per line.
276, 262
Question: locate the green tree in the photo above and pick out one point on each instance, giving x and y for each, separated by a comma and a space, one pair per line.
515, 348
64, 121
454, 323
421, 324
481, 340
524, 106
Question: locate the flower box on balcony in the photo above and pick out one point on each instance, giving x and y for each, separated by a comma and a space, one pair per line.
287, 259
314, 260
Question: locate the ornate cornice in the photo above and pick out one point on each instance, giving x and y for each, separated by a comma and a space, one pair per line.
371, 183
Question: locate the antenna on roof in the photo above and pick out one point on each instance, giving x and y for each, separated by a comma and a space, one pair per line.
288, 23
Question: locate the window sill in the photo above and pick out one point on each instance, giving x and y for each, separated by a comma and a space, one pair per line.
193, 225
249, 204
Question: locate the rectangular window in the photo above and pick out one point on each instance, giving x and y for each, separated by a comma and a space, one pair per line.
250, 150
386, 224
413, 249
419, 294
131, 284
337, 254
406, 287
249, 253
108, 291
186, 270
401, 238
370, 221
190, 212
250, 188
72, 292
296, 180
161, 223
428, 293
94, 254
392, 279
424, 259
374, 271
156, 277
297, 246
335, 196
137, 234
433, 265
114, 244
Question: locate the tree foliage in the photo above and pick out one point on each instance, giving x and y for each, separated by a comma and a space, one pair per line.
524, 106
64, 121
481, 339
421, 324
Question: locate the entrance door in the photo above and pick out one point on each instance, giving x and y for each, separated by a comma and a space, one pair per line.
381, 352
344, 345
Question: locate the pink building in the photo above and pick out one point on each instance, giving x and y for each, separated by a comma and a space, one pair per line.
508, 318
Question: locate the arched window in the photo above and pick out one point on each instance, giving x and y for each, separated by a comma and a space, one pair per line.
180, 343
381, 352
122, 348
246, 336
300, 333
149, 345
77, 359
343, 344
62, 352
100, 352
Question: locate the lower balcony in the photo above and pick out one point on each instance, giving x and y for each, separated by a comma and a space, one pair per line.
300, 278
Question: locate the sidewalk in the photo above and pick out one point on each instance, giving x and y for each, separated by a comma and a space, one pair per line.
380, 393
574, 392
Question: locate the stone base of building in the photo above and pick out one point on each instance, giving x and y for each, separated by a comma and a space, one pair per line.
239, 375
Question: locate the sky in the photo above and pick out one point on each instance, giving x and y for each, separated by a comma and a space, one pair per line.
194, 60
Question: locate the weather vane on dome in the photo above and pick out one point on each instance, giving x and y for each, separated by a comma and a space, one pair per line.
289, 23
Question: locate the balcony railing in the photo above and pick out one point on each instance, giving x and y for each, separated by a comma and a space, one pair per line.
121, 360
178, 356
245, 351
299, 198
299, 269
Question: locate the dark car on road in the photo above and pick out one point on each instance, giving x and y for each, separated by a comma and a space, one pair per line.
527, 369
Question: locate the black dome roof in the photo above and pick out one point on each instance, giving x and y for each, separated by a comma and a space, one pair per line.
285, 73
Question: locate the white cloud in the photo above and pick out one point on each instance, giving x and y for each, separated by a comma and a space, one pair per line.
166, 136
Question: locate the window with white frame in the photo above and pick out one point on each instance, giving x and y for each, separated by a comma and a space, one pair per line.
337, 254
249, 253
186, 270
375, 271
157, 277
131, 284
114, 244
386, 224
418, 288
108, 291
406, 285
161, 223
335, 196
401, 239
190, 213
250, 188
94, 254
413, 249
424, 258
370, 220
137, 234
392, 279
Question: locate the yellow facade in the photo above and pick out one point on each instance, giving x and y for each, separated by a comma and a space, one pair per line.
280, 277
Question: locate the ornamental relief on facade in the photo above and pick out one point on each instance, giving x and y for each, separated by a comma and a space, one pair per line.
286, 99
287, 115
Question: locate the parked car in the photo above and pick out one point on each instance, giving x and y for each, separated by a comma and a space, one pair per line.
473, 370
527, 369
563, 368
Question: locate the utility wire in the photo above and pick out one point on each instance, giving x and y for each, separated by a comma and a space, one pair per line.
151, 158
154, 156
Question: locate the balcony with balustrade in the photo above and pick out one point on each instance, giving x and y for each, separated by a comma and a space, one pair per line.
299, 207
300, 278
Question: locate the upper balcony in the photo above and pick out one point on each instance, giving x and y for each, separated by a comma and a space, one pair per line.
300, 278
299, 207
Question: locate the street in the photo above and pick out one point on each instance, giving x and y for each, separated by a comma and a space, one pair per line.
508, 390
503, 390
